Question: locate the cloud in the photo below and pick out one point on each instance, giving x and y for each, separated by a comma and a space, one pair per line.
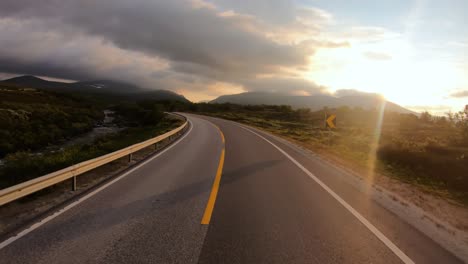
210, 91
439, 109
353, 92
369, 34
291, 85
173, 30
163, 44
377, 56
460, 94
79, 57
276, 12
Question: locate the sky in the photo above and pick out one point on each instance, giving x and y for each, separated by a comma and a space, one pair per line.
413, 52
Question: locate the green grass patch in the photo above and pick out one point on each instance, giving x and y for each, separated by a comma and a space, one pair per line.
23, 165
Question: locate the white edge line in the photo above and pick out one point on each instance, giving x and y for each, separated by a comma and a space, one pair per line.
86, 197
403, 257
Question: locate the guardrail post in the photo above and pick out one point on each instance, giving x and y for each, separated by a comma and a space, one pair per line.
74, 183
130, 157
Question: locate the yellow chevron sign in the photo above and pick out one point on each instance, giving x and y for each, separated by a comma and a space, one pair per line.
330, 121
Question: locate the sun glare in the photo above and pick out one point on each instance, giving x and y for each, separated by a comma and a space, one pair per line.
391, 71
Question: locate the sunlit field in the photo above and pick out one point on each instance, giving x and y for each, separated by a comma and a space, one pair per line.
428, 151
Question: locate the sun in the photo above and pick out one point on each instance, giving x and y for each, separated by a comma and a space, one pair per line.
396, 73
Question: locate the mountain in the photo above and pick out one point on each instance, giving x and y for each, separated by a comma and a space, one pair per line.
99, 87
104, 86
314, 102
35, 82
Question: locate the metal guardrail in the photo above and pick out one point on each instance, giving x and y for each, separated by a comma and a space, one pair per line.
20, 190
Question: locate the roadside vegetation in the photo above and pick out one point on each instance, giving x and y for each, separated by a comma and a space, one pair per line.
424, 150
428, 151
33, 120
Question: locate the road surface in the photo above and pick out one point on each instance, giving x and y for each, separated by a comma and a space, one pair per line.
274, 204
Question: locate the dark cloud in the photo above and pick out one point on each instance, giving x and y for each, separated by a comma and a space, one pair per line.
30, 47
171, 29
156, 42
46, 68
460, 94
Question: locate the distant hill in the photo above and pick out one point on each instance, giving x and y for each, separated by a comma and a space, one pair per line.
35, 82
314, 102
102, 87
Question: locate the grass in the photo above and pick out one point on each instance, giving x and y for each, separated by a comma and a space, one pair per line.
428, 156
32, 119
33, 122
22, 166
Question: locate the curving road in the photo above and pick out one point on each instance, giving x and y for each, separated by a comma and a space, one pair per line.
274, 204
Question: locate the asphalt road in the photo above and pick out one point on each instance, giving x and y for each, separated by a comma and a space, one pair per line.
275, 204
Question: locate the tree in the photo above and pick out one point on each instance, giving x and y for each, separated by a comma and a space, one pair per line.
426, 117
154, 116
462, 123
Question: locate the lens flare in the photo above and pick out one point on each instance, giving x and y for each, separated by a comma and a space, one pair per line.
372, 157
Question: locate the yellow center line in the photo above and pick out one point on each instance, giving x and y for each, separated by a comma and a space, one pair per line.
214, 190
222, 136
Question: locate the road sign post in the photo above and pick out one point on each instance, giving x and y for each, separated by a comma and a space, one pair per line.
330, 123
330, 120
